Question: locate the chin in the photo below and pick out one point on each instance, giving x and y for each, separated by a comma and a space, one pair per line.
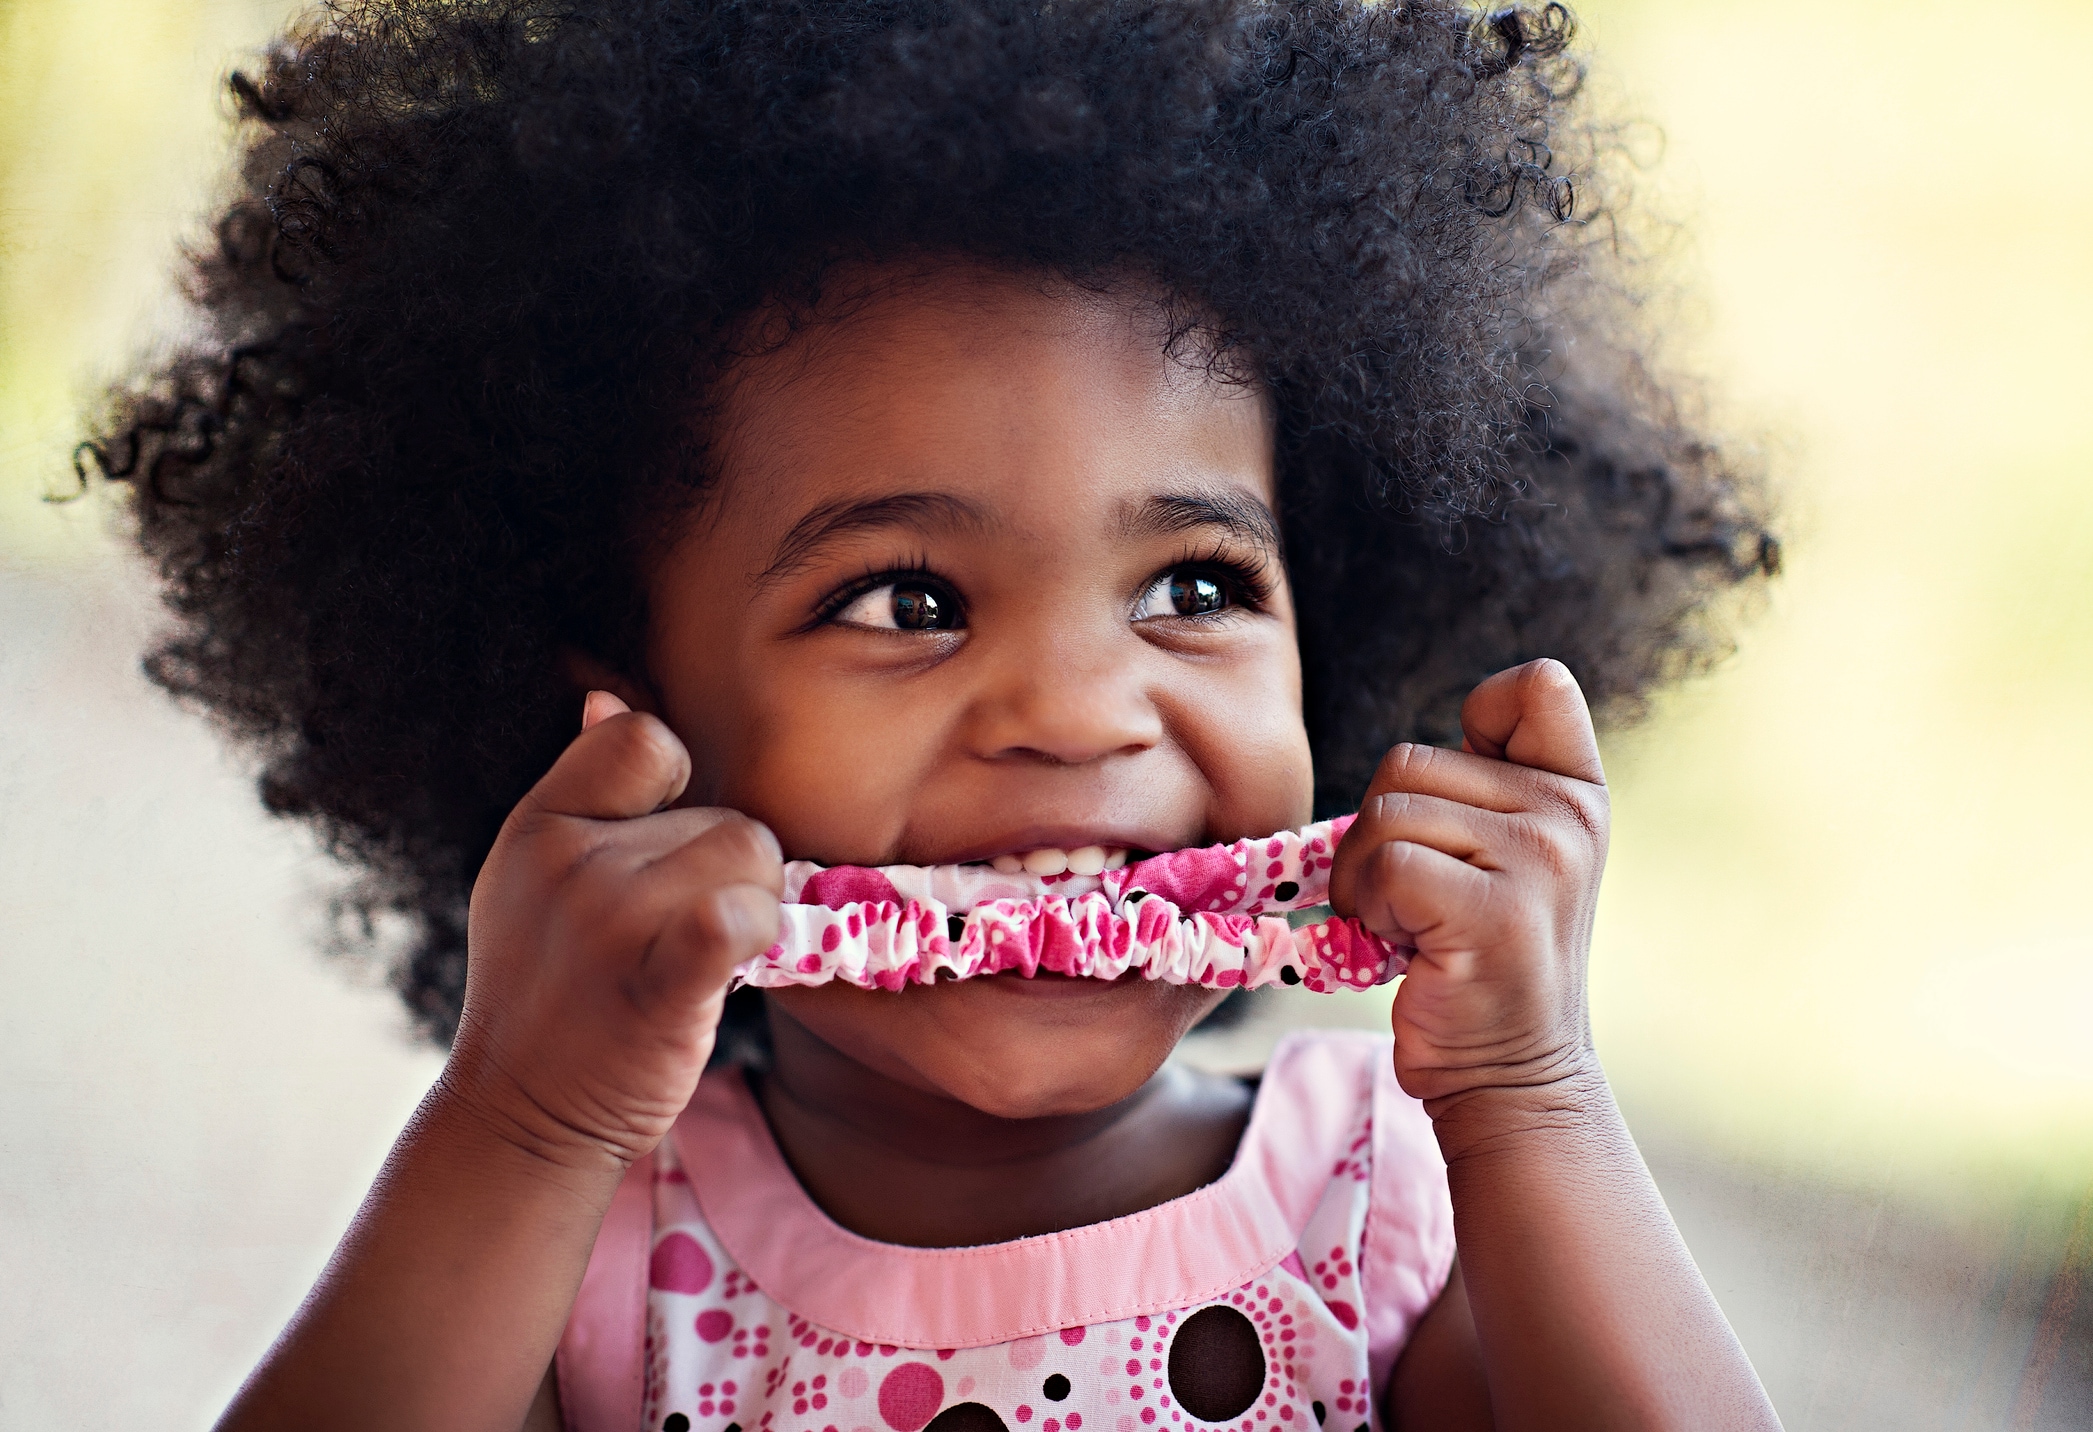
1043, 1084
1008, 1047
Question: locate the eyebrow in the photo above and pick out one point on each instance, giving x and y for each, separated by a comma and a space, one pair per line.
923, 511
1237, 513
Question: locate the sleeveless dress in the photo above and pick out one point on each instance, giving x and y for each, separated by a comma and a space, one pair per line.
720, 1298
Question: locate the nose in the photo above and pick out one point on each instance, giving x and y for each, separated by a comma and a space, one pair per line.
1066, 701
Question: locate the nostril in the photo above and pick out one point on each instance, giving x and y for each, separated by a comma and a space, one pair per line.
1043, 757
1070, 721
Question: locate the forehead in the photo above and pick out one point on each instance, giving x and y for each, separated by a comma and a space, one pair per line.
1036, 401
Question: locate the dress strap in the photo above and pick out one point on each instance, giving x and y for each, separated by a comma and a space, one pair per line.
601, 1356
1408, 1244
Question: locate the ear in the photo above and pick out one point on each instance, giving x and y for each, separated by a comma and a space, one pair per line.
588, 672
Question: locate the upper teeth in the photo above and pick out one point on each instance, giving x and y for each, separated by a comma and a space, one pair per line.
1084, 860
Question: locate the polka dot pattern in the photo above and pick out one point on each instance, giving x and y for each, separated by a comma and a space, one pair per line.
1212, 917
1246, 878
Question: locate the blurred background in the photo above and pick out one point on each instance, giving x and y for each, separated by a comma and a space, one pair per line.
1844, 971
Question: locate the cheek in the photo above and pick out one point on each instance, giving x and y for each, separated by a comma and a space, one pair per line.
1246, 735
826, 766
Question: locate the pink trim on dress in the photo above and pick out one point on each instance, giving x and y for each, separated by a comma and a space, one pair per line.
1407, 1247
601, 1359
1334, 1218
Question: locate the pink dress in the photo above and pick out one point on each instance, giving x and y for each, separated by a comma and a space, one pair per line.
1275, 1299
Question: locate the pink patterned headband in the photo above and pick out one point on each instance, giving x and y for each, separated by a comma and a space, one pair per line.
1213, 917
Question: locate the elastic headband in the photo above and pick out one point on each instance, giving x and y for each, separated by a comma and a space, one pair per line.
1213, 917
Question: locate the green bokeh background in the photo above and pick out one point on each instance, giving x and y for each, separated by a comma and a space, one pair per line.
1848, 924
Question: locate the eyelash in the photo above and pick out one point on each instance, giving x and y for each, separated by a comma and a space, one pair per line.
1249, 582
916, 569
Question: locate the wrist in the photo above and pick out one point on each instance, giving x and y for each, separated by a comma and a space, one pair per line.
1564, 1099
508, 1138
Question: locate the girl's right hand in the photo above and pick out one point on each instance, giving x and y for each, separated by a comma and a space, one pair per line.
602, 931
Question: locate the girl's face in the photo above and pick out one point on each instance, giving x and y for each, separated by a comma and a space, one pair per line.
987, 573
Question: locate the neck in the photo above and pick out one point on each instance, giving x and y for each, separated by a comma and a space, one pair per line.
901, 1164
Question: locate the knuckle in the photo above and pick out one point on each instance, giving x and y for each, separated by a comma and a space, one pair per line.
729, 849
643, 745
546, 846
706, 922
724, 918
573, 852
702, 925
1393, 858
1391, 806
716, 918
746, 842
1405, 761
1551, 842
1585, 807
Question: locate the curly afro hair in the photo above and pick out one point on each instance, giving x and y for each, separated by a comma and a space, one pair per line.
477, 249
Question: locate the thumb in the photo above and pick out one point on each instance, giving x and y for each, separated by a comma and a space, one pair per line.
624, 764
1535, 716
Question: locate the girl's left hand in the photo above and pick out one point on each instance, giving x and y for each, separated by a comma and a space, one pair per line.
1487, 859
1578, 1305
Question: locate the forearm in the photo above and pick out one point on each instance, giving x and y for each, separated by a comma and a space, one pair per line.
1589, 1309
443, 1304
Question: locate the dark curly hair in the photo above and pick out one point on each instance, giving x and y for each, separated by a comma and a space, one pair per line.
484, 259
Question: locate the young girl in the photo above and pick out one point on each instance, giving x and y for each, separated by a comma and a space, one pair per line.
1035, 458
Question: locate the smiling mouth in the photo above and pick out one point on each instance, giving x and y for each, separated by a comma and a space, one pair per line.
1052, 860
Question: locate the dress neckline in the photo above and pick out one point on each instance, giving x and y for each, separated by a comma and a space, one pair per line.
1177, 1253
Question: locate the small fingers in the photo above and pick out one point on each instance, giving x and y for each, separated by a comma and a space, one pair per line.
1460, 776
1534, 716
726, 848
1406, 891
1465, 831
700, 942
713, 903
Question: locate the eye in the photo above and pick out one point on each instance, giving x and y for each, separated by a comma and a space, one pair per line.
901, 606
1186, 592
